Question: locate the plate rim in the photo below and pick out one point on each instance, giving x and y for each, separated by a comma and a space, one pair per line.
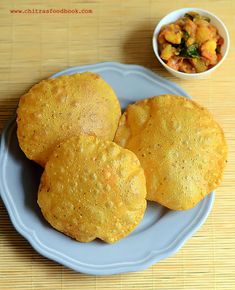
117, 268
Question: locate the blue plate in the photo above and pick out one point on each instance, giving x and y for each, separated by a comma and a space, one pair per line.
161, 233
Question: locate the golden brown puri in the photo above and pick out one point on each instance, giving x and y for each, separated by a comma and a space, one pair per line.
180, 146
92, 188
58, 108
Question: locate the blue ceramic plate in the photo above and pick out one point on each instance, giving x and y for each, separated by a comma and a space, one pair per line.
161, 233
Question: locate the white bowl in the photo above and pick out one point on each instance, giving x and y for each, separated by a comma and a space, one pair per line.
175, 15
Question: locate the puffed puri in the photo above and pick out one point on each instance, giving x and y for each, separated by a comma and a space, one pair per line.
58, 108
92, 188
180, 146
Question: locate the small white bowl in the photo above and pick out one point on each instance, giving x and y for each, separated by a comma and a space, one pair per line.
175, 15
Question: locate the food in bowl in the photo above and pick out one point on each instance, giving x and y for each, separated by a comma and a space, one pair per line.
191, 44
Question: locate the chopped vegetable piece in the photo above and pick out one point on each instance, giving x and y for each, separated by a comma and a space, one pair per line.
186, 66
203, 34
167, 52
219, 56
188, 15
190, 51
174, 62
191, 15
220, 41
190, 27
210, 46
186, 35
199, 64
190, 41
206, 18
173, 37
208, 50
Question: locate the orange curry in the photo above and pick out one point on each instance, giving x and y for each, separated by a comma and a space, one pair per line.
191, 44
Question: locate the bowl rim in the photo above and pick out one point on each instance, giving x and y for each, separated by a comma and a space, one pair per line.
155, 44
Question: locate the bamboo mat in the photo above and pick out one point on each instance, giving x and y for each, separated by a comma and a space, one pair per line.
34, 46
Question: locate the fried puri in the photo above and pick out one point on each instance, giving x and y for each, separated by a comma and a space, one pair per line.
93, 188
58, 108
180, 146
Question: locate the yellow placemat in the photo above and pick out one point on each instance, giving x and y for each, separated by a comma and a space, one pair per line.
34, 46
